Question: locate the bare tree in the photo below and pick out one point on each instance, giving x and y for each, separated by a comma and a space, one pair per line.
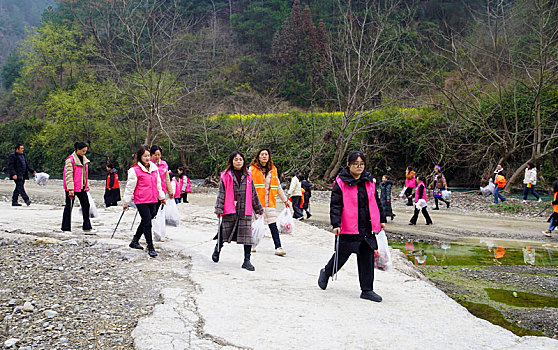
363, 60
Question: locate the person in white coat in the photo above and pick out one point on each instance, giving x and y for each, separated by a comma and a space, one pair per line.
295, 193
529, 182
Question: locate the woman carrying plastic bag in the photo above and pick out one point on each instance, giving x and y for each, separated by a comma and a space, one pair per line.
258, 231
285, 222
172, 216
382, 256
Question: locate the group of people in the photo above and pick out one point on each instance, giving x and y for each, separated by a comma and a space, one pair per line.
357, 212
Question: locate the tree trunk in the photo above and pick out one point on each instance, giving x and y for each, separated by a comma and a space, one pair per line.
514, 176
336, 162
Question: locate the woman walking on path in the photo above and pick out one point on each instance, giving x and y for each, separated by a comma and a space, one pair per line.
529, 182
307, 194
76, 184
295, 193
355, 215
554, 217
385, 196
156, 154
266, 182
236, 203
144, 187
438, 184
183, 185
499, 179
177, 187
112, 189
410, 182
420, 202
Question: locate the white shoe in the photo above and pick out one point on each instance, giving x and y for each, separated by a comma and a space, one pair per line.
547, 233
540, 200
90, 232
524, 201
280, 252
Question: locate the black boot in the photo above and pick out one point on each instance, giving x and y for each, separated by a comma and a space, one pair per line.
16, 204
151, 251
248, 265
448, 203
370, 295
216, 253
135, 244
409, 202
323, 279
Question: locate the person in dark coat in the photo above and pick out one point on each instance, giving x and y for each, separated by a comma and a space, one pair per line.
112, 188
553, 219
18, 170
307, 194
354, 221
236, 225
385, 196
438, 185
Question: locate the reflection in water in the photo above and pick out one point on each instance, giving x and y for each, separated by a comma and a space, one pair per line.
484, 252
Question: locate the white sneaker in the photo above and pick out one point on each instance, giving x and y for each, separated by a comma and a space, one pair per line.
524, 201
90, 232
280, 252
540, 200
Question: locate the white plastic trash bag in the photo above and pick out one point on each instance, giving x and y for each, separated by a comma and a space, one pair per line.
421, 204
529, 255
402, 194
158, 225
488, 189
382, 256
446, 194
93, 213
258, 230
285, 222
172, 217
41, 178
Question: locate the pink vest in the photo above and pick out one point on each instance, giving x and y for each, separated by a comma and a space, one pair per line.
410, 182
227, 178
163, 168
177, 188
146, 186
349, 216
188, 187
78, 172
423, 192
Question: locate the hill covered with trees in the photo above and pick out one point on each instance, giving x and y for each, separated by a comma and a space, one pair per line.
465, 85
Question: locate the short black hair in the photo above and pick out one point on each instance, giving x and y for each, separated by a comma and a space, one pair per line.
18, 146
422, 178
354, 155
110, 165
531, 165
79, 145
156, 148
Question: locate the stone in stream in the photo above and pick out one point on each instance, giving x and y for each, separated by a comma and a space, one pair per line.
11, 342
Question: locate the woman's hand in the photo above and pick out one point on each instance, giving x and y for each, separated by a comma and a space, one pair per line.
218, 215
261, 212
125, 207
71, 194
164, 202
383, 226
287, 205
337, 231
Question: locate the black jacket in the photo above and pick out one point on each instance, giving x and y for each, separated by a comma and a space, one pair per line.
15, 167
307, 188
336, 204
385, 197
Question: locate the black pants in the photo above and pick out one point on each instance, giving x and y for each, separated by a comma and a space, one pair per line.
443, 200
184, 197
275, 235
365, 263
296, 207
19, 190
67, 216
424, 212
147, 212
408, 193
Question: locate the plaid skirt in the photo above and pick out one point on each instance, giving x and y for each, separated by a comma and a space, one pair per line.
236, 228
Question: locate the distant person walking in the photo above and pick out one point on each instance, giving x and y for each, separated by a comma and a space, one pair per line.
268, 187
385, 196
295, 193
76, 184
529, 182
355, 214
420, 202
156, 155
307, 195
499, 179
236, 203
439, 185
112, 189
144, 187
183, 185
18, 171
553, 219
410, 183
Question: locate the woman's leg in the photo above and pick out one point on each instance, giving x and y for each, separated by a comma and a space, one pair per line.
365, 262
343, 257
436, 202
152, 207
535, 192
408, 193
415, 217
247, 264
84, 201
426, 216
67, 215
275, 235
445, 201
525, 192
